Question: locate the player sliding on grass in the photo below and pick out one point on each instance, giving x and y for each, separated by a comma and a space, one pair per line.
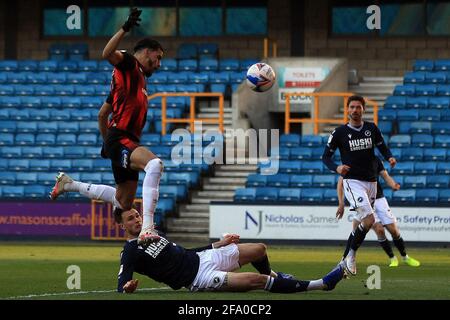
383, 219
210, 268
129, 112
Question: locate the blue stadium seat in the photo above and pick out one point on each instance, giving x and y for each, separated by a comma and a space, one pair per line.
435, 154
442, 65
219, 87
404, 90
37, 78
8, 126
312, 195
416, 102
88, 65
439, 102
290, 140
65, 139
47, 126
58, 51
443, 168
435, 77
209, 50
101, 164
48, 65
289, 195
92, 152
23, 90
408, 195
445, 115
151, 139
425, 90
50, 102
88, 127
442, 141
412, 154
385, 127
6, 139
13, 191
440, 128
16, 78
443, 90
219, 77
247, 63
69, 126
444, 196
64, 89
73, 152
7, 90
24, 139
284, 154
84, 90
104, 65
80, 114
56, 78
403, 168
78, 51
26, 178
438, 181
208, 65
4, 114
324, 181
422, 140
290, 166
187, 51
187, 65
3, 164
266, 194
330, 195
237, 77
108, 178
229, 65
60, 115
278, 180
387, 115
27, 65
256, 180
18, 164
201, 77
91, 177
423, 65
76, 77
169, 64
8, 178
82, 164
414, 77
67, 66
414, 182
30, 102
159, 77
87, 139
52, 152
427, 195
39, 165
179, 192
311, 141
420, 127
10, 102
32, 152
24, 115
3, 78
245, 195
60, 165
91, 102
312, 167
429, 115
428, 168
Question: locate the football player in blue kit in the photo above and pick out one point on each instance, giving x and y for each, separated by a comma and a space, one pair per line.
356, 142
209, 268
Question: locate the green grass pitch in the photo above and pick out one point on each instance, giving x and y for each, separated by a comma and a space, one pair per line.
34, 270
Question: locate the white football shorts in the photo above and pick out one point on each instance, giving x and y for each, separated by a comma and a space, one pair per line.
383, 213
214, 265
361, 196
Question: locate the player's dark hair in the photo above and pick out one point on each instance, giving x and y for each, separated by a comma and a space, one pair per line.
356, 98
148, 43
117, 213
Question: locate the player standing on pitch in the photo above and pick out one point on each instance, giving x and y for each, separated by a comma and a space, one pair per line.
129, 114
356, 141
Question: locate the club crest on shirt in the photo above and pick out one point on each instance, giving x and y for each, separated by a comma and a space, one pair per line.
349, 135
360, 199
368, 133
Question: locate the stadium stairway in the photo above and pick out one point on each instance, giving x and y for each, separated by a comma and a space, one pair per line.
374, 88
192, 224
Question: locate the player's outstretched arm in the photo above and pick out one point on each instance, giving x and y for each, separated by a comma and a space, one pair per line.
110, 51
389, 180
103, 115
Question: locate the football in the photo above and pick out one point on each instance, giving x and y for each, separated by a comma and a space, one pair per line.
260, 77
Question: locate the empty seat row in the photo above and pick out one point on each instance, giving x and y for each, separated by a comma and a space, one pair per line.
55, 78
304, 153
401, 102
421, 77
421, 154
31, 139
193, 77
422, 90
296, 140
51, 102
426, 127
54, 90
291, 180
432, 65
424, 114
274, 195
47, 127
419, 140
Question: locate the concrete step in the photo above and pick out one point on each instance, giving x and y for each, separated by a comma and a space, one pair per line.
208, 200
374, 85
190, 240
195, 207
372, 91
214, 115
219, 187
187, 223
190, 230
383, 79
220, 180
214, 110
237, 167
232, 174
194, 215
214, 194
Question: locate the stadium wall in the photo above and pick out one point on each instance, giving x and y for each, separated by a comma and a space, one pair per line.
30, 44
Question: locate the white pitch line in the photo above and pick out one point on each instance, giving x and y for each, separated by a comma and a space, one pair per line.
77, 293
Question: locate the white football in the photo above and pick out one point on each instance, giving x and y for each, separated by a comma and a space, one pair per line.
260, 77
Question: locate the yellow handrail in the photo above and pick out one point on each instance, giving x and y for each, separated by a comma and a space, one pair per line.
266, 48
192, 119
315, 119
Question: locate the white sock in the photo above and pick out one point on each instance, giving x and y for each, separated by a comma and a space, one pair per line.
150, 191
315, 285
94, 191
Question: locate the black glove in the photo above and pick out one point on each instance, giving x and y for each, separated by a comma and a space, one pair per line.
133, 20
